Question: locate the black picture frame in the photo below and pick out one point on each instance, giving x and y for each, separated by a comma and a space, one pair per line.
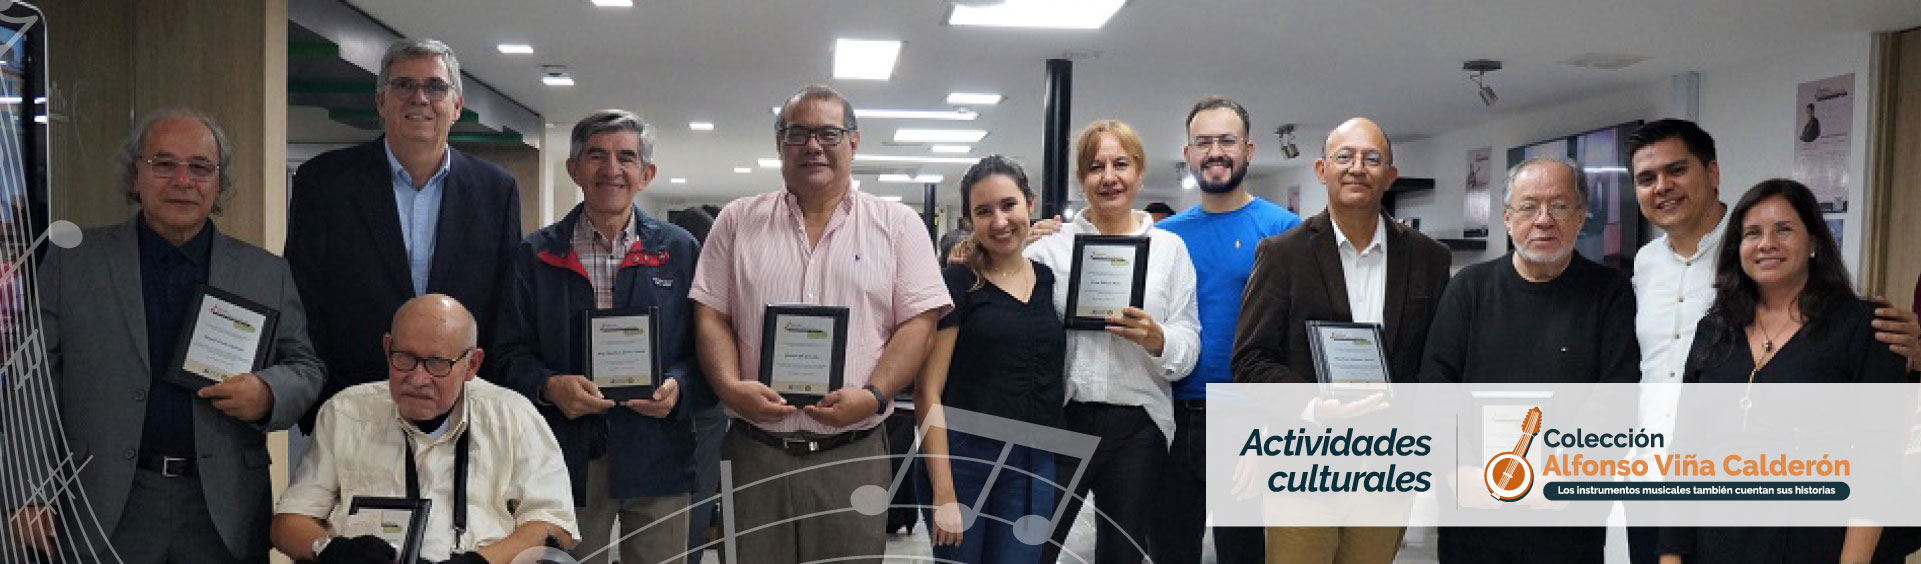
1138, 293
770, 327
1322, 371
178, 374
623, 393
418, 510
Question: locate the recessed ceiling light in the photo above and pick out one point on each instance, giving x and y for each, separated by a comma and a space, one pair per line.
768, 163
856, 184
865, 59
700, 125
973, 99
905, 179
614, 3
863, 157
677, 180
515, 48
556, 75
960, 149
742, 169
962, 114
891, 198
939, 135
1055, 14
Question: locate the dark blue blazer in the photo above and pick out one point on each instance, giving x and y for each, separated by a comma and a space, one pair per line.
541, 335
350, 263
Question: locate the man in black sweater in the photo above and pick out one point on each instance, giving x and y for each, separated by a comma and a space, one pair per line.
1541, 314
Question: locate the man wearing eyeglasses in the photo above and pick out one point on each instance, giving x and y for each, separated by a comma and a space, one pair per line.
373, 225
1221, 234
819, 241
1541, 314
631, 458
479, 452
1351, 263
171, 474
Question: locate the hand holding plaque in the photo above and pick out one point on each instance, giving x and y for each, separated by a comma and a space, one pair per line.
620, 352
224, 335
1109, 274
399, 521
1349, 358
803, 351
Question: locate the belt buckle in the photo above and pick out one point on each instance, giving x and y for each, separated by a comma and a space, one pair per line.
166, 466
789, 442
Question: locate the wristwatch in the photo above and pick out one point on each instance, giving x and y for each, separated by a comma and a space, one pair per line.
320, 545
881, 400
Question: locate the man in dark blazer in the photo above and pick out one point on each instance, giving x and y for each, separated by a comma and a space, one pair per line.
167, 473
373, 225
1352, 262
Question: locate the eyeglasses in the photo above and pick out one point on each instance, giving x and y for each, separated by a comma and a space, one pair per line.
439, 367
435, 88
1560, 211
1227, 143
197, 169
1346, 157
798, 135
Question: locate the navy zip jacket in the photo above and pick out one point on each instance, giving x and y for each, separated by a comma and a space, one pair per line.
541, 335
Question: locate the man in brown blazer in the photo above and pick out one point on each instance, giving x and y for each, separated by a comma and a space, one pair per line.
1351, 262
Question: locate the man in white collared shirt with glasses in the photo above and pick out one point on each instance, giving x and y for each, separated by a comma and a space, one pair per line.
512, 496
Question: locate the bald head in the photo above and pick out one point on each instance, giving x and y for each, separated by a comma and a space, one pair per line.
437, 317
431, 353
1359, 129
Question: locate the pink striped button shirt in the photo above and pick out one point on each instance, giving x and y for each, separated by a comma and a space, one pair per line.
874, 258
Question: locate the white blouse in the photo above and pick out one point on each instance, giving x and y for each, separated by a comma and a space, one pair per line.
1105, 368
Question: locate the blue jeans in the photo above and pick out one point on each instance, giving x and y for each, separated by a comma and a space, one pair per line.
1012, 495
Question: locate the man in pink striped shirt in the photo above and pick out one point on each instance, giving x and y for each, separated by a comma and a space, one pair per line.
820, 242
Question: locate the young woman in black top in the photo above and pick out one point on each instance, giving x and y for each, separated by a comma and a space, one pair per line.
1000, 352
1784, 311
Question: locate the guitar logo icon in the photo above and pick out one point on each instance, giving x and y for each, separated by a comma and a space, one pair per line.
1508, 475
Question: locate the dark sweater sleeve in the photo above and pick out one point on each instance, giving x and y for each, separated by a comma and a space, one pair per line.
1445, 356
1620, 350
1870, 359
1261, 331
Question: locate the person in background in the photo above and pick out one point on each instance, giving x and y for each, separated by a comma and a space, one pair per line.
1158, 211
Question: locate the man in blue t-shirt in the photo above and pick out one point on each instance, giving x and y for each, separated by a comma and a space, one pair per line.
1221, 234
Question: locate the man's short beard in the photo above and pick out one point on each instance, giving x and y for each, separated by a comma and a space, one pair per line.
1233, 181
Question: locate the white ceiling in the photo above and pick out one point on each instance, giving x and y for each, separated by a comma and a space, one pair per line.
1305, 61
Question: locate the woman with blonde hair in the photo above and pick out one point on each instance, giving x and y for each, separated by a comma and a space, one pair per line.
1119, 379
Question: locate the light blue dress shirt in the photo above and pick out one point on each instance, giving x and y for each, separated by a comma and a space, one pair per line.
419, 214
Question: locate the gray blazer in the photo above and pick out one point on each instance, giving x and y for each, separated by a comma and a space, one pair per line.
96, 342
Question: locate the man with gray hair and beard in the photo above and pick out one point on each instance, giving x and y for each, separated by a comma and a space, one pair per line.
1541, 314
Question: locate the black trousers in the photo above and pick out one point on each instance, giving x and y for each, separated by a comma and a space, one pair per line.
1179, 524
1124, 476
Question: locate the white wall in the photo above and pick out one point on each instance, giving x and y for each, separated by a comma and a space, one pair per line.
1750, 110
1443, 157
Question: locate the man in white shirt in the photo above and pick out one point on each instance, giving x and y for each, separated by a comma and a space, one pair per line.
1677, 180
431, 411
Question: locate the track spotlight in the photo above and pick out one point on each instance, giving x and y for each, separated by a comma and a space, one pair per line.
1286, 133
1480, 68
